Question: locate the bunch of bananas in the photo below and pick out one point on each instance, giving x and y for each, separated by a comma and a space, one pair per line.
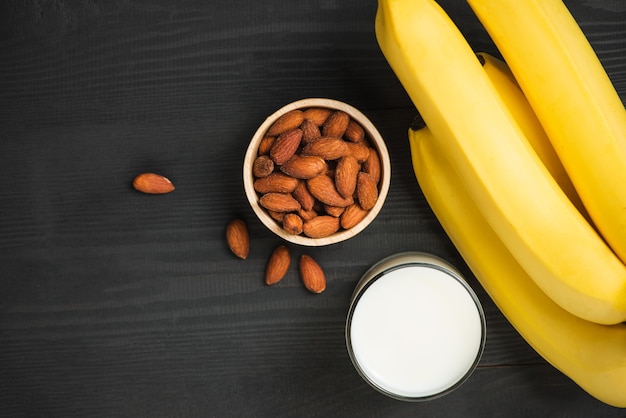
523, 161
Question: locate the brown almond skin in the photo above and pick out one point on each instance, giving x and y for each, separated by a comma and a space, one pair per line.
292, 223
334, 210
262, 166
346, 174
352, 216
302, 195
303, 167
285, 146
321, 226
359, 151
286, 122
336, 124
279, 202
326, 147
310, 131
152, 183
307, 215
237, 238
277, 265
354, 132
266, 144
372, 165
366, 190
323, 189
312, 275
275, 183
317, 114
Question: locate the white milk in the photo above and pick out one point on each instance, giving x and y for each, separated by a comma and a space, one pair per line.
416, 330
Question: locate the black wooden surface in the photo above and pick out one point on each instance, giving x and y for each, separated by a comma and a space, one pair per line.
119, 304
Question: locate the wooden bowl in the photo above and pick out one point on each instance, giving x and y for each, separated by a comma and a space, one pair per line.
375, 141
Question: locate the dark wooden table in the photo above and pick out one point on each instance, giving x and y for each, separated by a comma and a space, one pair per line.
119, 304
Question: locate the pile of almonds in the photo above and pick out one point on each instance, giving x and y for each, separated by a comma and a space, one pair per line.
311, 273
316, 172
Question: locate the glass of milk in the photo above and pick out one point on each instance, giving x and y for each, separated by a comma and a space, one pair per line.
415, 329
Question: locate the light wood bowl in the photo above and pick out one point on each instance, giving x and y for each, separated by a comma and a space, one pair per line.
375, 140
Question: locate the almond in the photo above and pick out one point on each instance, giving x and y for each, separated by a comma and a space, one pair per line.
354, 132
279, 202
285, 146
303, 167
286, 122
307, 214
312, 275
277, 265
237, 238
266, 144
310, 131
323, 189
367, 191
326, 147
333, 210
317, 114
372, 166
359, 151
277, 216
275, 183
352, 216
345, 175
151, 183
321, 226
336, 124
262, 166
302, 195
292, 223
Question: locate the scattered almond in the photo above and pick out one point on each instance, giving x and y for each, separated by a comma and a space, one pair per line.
312, 275
151, 183
277, 265
237, 238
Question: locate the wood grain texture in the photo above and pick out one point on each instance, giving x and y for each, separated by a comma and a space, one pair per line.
118, 304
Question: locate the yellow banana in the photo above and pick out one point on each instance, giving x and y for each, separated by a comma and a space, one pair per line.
574, 99
592, 355
517, 195
510, 92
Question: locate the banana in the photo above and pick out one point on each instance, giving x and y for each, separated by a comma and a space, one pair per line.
507, 87
590, 354
519, 198
574, 99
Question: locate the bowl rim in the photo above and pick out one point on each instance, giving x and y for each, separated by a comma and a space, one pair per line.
376, 140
